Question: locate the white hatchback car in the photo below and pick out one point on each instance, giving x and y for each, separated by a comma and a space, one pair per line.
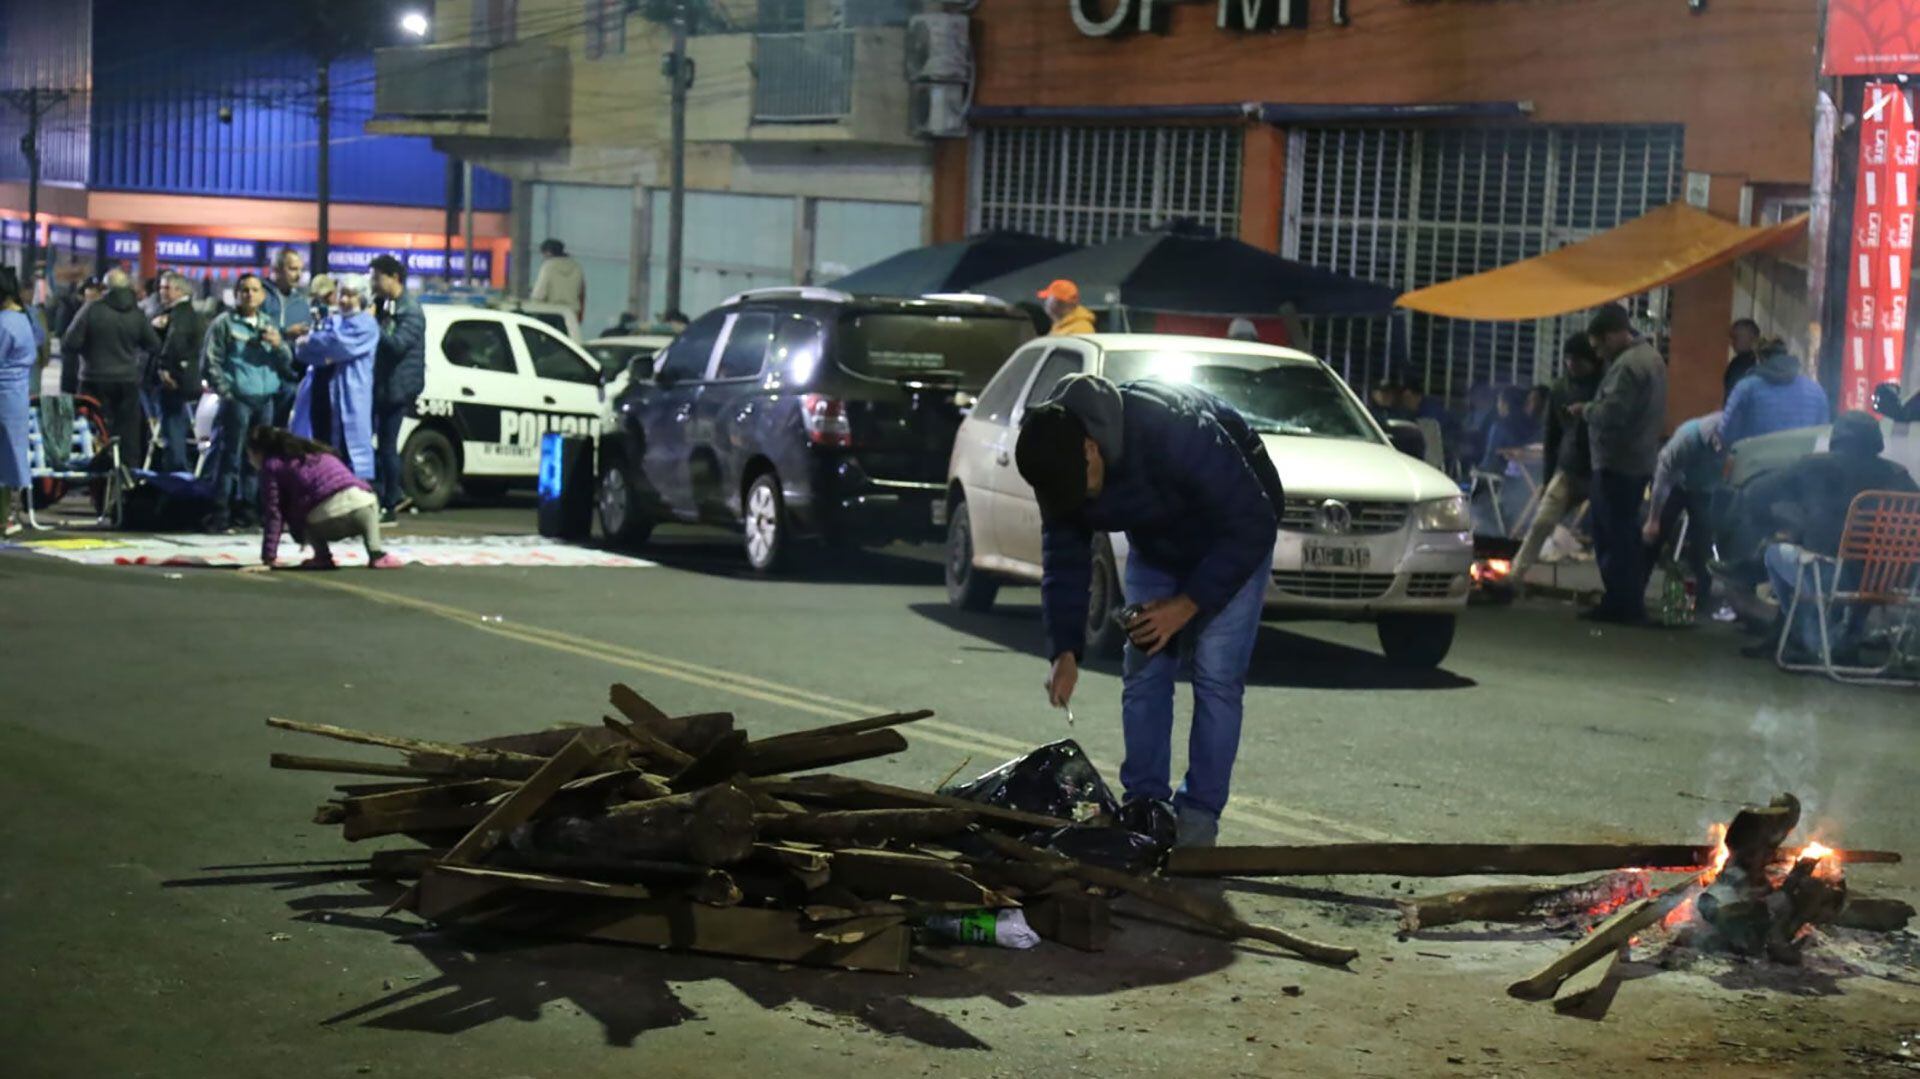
1368, 532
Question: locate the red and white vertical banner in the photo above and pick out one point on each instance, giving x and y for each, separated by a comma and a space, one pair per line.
1883, 209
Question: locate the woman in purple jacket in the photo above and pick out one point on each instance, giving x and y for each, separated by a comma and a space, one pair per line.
310, 492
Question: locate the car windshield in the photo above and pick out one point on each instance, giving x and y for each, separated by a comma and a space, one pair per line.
1277, 396
615, 358
901, 346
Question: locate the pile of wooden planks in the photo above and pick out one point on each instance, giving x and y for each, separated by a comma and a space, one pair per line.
684, 832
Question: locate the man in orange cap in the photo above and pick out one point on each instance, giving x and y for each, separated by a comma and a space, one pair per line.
1063, 307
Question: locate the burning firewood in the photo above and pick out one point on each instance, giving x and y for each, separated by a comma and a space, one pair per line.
1524, 902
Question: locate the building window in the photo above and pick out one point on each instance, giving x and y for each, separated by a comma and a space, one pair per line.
494, 21
1412, 207
606, 28
782, 16
1088, 185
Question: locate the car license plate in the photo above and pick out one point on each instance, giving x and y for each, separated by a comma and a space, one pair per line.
1331, 556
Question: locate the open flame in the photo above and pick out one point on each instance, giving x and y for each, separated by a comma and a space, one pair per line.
1492, 570
1683, 912
1826, 861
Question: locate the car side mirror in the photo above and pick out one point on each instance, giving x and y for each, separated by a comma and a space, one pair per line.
1407, 438
1886, 401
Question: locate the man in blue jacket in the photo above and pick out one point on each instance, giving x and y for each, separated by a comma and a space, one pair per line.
1778, 396
1187, 479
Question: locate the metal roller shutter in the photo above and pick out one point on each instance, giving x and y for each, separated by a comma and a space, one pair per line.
1092, 184
1411, 207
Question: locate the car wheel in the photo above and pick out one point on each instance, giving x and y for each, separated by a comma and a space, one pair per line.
429, 469
967, 588
1104, 635
1416, 640
621, 519
766, 525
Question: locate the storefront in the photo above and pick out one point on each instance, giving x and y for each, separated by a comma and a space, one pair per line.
1406, 143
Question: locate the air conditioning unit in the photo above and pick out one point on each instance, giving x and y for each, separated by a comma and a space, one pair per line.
939, 110
939, 48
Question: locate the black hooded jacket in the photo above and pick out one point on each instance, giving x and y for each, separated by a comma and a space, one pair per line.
1808, 499
108, 338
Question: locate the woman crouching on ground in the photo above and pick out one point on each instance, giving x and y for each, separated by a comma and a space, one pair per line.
307, 490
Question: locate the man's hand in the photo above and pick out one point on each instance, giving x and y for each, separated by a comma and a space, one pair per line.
159, 322
298, 329
271, 335
1650, 531
1159, 621
1060, 683
1577, 409
167, 381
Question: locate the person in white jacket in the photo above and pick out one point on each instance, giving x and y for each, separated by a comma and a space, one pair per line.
560, 279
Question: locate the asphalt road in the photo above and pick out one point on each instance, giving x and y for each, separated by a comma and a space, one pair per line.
167, 909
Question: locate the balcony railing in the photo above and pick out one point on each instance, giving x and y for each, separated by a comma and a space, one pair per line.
803, 78
447, 81
515, 91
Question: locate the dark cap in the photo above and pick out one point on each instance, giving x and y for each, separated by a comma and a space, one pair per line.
1052, 457
551, 246
1857, 433
1609, 319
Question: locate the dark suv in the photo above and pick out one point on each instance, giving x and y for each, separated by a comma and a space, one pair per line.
803, 413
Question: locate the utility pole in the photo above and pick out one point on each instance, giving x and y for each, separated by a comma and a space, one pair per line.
323, 187
680, 71
35, 102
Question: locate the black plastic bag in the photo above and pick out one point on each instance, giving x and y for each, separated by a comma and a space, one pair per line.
1135, 840
1056, 780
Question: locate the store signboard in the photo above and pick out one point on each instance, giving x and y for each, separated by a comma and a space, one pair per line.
180, 248
435, 262
234, 252
123, 245
1871, 37
13, 231
1116, 18
357, 259
1879, 272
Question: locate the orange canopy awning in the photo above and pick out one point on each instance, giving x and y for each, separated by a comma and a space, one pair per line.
1674, 242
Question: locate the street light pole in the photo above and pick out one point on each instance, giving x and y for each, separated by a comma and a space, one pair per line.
677, 194
35, 102
323, 185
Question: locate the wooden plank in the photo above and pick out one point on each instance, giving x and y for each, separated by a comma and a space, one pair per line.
1526, 902
518, 808
642, 712
704, 730
850, 793
857, 726
408, 745
1585, 986
1605, 939
749, 932
545, 743
1450, 859
867, 826
546, 882
882, 874
1075, 919
801, 754
451, 770
721, 761
1208, 911
403, 862
663, 752
713, 826
463, 792
455, 818
1869, 912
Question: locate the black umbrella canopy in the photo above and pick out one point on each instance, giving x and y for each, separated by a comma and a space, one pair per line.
952, 267
1187, 269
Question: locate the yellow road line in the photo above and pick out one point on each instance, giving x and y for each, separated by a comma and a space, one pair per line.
1262, 812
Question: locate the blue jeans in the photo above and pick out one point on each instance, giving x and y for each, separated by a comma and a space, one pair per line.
1783, 569
386, 460
176, 430
1617, 545
1218, 650
236, 489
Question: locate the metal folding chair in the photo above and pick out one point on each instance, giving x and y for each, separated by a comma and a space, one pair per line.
1881, 543
80, 457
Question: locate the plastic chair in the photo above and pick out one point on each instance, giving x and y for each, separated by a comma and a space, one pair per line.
1881, 543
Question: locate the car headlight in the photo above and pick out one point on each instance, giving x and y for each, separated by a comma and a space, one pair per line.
1443, 515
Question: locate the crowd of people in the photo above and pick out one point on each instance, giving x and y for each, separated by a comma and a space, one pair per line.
333, 362
1662, 501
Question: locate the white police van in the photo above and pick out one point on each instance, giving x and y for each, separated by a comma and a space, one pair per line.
495, 383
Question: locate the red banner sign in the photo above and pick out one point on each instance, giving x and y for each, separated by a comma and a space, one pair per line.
1872, 37
1879, 274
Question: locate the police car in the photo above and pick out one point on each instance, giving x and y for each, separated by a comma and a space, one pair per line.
496, 382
